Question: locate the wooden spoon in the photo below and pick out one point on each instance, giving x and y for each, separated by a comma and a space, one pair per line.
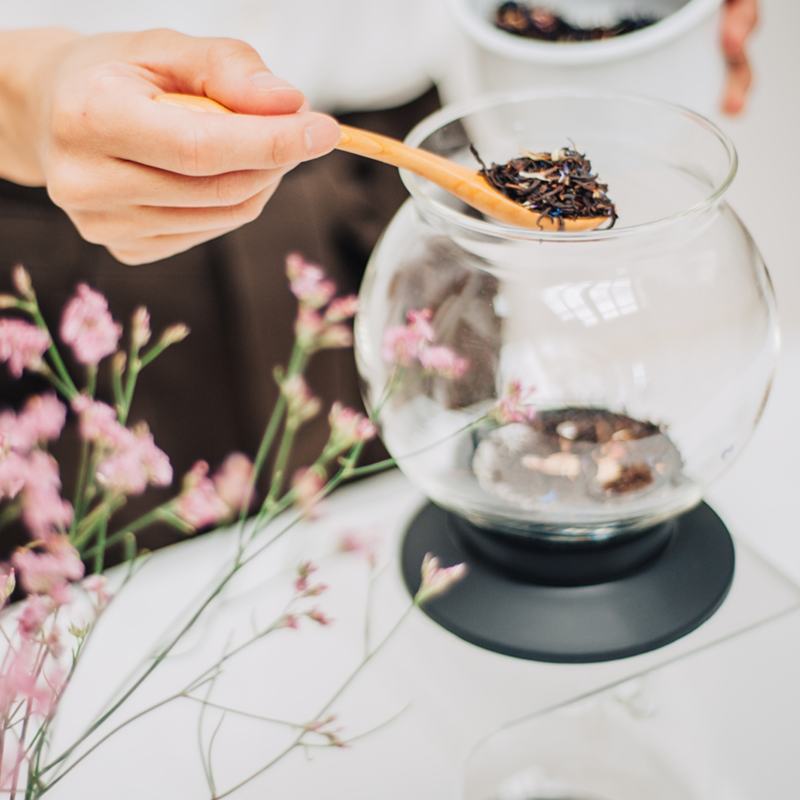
465, 183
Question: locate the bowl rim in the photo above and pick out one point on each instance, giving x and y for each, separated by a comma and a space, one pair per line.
508, 45
455, 111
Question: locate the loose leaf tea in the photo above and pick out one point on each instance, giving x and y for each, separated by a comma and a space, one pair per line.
538, 22
559, 185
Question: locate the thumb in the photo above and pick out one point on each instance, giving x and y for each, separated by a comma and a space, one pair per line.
226, 70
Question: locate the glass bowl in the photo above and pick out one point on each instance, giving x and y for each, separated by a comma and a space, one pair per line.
570, 386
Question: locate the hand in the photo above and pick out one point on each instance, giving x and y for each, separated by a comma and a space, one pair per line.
739, 18
146, 179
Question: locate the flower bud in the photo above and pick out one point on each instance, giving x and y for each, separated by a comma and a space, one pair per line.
22, 282
174, 334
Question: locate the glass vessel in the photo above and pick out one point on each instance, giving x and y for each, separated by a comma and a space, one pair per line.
561, 385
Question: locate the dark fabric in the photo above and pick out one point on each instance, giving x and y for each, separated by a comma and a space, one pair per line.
212, 393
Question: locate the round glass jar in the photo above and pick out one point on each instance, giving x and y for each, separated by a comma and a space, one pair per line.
570, 385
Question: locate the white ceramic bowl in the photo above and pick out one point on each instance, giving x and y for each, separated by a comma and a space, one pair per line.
677, 59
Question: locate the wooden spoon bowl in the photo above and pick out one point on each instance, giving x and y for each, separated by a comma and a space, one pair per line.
464, 183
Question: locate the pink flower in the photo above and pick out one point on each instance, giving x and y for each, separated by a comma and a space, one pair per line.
334, 337
307, 484
134, 462
98, 586
232, 481
35, 611
351, 542
98, 423
20, 682
49, 572
42, 418
342, 308
14, 470
301, 403
7, 585
512, 405
413, 343
140, 328
22, 345
307, 282
199, 504
402, 343
435, 579
317, 616
43, 510
348, 427
443, 361
88, 328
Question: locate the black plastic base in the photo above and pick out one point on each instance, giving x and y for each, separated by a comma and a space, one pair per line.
660, 585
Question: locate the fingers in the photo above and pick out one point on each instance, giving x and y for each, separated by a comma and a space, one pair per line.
739, 19
228, 70
155, 248
146, 234
738, 82
117, 116
77, 186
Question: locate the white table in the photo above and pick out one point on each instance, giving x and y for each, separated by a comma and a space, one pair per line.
449, 694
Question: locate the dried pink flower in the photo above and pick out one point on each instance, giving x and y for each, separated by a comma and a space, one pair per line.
43, 510
98, 586
140, 328
87, 326
199, 504
22, 345
21, 682
413, 343
443, 361
7, 584
512, 405
352, 542
35, 610
301, 403
318, 616
307, 484
232, 481
98, 423
42, 418
435, 579
342, 308
348, 427
22, 281
14, 470
48, 572
135, 462
307, 282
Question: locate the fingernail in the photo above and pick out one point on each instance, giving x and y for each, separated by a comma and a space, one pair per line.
321, 137
267, 82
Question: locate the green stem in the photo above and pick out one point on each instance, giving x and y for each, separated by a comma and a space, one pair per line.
91, 379
9, 514
71, 390
155, 515
101, 545
80, 502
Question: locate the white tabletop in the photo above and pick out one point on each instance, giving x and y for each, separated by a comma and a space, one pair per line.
449, 694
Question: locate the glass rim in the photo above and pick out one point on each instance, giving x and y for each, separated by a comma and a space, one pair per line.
455, 111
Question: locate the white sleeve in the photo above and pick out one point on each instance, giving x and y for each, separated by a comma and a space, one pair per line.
344, 54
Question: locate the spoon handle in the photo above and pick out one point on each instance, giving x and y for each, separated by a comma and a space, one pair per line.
391, 151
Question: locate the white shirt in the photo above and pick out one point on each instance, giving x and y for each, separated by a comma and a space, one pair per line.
343, 54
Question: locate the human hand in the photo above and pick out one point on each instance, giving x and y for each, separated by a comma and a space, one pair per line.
739, 18
146, 179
